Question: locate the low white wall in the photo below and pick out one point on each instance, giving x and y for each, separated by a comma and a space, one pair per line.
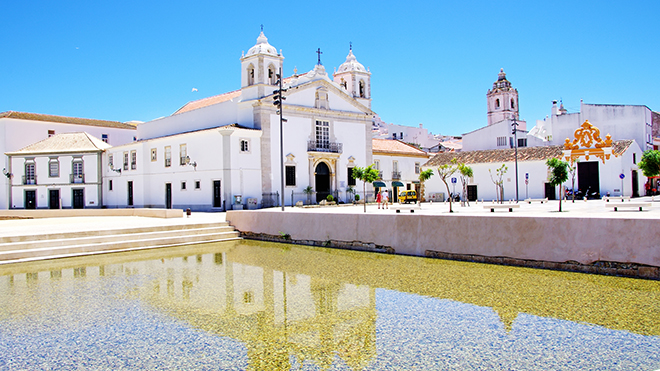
552, 239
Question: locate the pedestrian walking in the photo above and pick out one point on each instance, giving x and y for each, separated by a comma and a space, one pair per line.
385, 199
379, 198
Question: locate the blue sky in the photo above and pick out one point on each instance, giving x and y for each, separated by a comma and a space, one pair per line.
431, 62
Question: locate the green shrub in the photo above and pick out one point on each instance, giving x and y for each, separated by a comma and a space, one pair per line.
330, 198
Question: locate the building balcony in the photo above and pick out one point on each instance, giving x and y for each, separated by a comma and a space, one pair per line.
380, 174
396, 175
76, 179
333, 147
29, 180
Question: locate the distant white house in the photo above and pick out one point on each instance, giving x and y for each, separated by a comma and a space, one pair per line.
21, 129
63, 171
399, 164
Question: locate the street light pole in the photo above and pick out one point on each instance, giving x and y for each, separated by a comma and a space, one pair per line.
515, 144
277, 101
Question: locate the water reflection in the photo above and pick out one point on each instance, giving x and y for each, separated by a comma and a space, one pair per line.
293, 306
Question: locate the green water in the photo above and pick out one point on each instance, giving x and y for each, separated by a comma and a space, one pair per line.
253, 305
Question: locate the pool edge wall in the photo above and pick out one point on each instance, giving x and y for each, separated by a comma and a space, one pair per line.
549, 239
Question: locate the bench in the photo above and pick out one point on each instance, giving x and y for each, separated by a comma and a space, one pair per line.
541, 200
617, 198
633, 205
399, 207
500, 206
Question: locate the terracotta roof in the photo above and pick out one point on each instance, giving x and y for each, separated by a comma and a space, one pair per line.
65, 120
508, 154
205, 102
64, 143
395, 147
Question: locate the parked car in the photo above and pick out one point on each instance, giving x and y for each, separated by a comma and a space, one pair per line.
407, 197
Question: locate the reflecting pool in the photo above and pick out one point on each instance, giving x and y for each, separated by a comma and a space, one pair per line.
262, 306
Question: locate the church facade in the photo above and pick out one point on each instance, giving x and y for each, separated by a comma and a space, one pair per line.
223, 151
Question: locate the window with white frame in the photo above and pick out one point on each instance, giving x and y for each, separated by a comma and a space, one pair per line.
110, 185
322, 134
290, 175
77, 175
104, 137
501, 141
245, 145
416, 167
125, 160
351, 180
198, 185
377, 164
133, 160
53, 167
183, 154
183, 186
30, 172
111, 161
168, 156
154, 155
51, 133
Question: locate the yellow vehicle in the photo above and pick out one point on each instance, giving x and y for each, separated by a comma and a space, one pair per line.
407, 197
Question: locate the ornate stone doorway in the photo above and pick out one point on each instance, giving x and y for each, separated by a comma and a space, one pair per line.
322, 181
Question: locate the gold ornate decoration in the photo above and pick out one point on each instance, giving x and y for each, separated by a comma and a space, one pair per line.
586, 136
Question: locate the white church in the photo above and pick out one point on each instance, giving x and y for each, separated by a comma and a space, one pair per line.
223, 151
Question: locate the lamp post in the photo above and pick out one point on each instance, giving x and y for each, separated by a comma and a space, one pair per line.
514, 126
277, 101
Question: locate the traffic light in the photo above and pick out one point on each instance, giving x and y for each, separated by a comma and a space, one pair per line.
278, 97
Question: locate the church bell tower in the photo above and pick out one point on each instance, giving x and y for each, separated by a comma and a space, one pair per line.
502, 100
355, 79
259, 67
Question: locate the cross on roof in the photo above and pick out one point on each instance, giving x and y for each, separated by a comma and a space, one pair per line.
262, 28
319, 52
350, 45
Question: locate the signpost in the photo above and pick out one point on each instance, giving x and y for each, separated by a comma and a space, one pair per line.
526, 185
453, 182
621, 176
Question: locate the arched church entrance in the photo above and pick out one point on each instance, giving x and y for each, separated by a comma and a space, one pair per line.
322, 181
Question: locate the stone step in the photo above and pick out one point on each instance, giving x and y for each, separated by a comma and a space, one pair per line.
128, 244
72, 239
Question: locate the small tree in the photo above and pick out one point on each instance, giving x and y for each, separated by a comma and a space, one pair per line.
499, 182
558, 173
366, 175
465, 174
350, 192
446, 171
650, 163
308, 191
423, 177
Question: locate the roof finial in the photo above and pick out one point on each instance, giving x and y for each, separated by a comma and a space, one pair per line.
319, 52
262, 28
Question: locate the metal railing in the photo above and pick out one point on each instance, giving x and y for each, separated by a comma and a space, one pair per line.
396, 175
270, 199
76, 179
29, 180
314, 146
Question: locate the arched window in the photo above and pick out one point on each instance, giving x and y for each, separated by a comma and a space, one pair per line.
497, 103
272, 75
513, 104
361, 87
344, 84
250, 75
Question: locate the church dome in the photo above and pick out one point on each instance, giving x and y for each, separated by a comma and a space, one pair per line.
351, 64
262, 47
